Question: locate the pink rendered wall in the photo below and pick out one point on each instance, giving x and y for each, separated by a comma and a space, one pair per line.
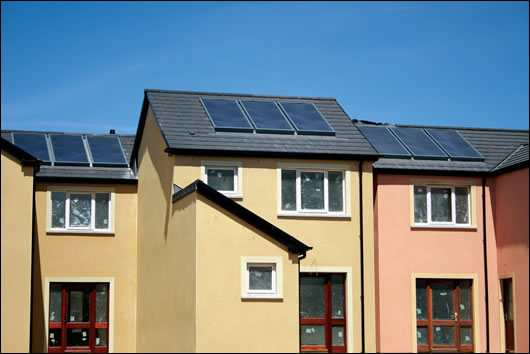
402, 250
511, 229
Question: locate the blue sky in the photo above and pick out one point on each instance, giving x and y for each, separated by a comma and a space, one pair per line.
82, 67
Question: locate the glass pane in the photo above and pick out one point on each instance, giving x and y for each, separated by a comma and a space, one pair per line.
312, 297
421, 299
441, 204
78, 303
443, 335
288, 190
101, 302
420, 204
80, 210
337, 335
56, 302
442, 301
422, 335
462, 207
312, 184
335, 191
337, 296
101, 337
466, 335
465, 300
54, 337
509, 298
102, 210
260, 278
221, 179
77, 337
313, 335
58, 209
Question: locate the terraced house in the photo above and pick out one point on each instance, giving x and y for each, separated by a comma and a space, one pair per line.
248, 223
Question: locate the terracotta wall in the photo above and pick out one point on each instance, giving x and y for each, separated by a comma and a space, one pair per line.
511, 229
404, 252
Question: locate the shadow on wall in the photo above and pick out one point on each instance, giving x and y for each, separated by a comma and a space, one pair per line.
39, 322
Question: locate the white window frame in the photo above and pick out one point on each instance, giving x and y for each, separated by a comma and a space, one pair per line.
81, 229
453, 206
236, 166
315, 212
276, 278
273, 279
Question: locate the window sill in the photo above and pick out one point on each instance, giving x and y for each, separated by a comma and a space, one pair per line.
80, 232
316, 215
261, 297
447, 227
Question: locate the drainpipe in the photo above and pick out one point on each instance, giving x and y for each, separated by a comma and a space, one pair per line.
32, 266
362, 251
300, 305
484, 240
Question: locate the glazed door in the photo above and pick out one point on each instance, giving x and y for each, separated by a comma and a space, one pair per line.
507, 302
443, 315
322, 313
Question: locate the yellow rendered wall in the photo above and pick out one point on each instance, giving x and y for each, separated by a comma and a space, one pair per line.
225, 321
166, 252
87, 258
335, 241
17, 207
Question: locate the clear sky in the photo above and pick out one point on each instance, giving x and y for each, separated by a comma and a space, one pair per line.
83, 67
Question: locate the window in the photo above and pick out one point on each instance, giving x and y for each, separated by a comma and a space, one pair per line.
82, 211
444, 315
312, 192
323, 313
78, 317
223, 176
261, 277
441, 205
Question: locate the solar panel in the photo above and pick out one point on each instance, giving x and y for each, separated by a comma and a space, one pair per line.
226, 114
418, 142
267, 117
33, 143
454, 143
383, 141
69, 149
106, 151
306, 118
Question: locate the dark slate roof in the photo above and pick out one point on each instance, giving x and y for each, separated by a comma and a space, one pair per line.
293, 245
518, 158
24, 157
494, 144
187, 129
85, 173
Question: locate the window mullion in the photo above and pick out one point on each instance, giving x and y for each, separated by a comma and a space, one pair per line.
326, 191
93, 211
67, 212
429, 219
453, 205
298, 192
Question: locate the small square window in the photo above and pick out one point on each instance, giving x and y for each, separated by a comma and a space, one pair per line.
224, 179
261, 278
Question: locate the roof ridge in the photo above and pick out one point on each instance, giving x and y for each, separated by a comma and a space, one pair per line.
56, 132
238, 94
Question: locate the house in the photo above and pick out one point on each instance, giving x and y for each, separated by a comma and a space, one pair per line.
254, 223
451, 234
18, 170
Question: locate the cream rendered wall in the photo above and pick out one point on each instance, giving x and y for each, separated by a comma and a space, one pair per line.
511, 231
225, 321
17, 209
335, 240
166, 252
86, 257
